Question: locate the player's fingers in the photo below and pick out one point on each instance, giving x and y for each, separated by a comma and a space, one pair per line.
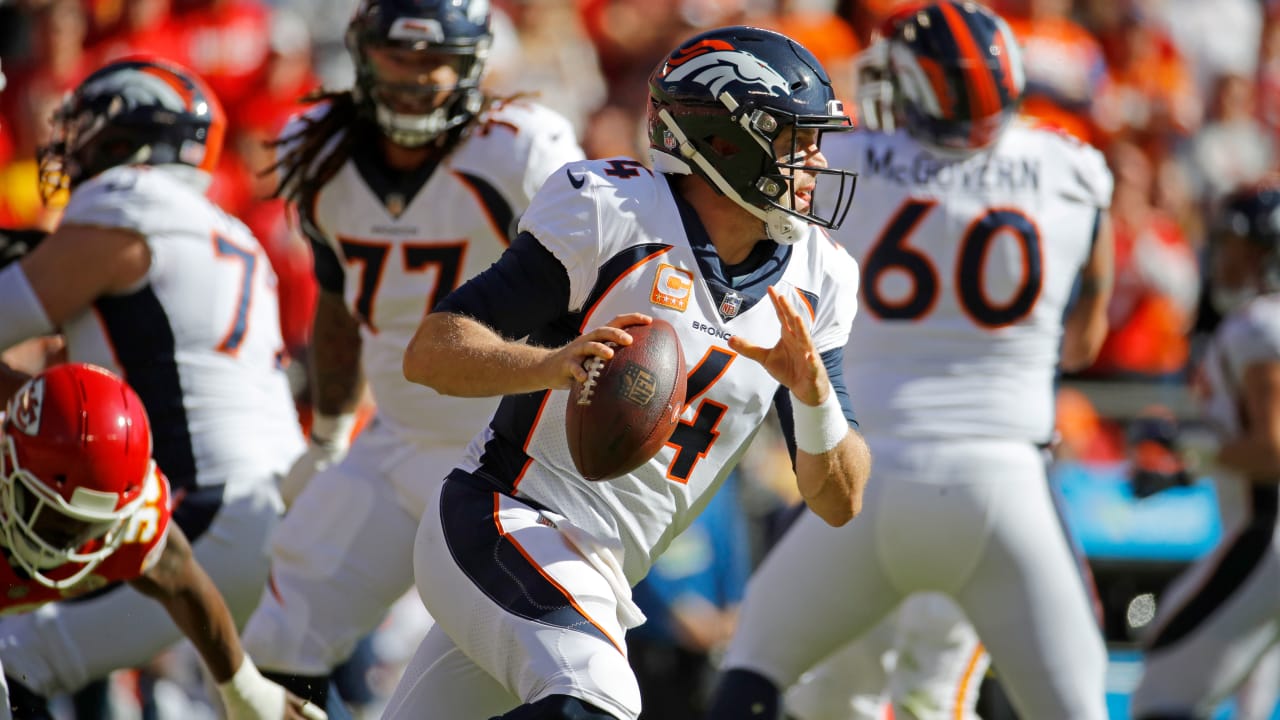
748, 349
628, 319
311, 712
608, 334
783, 309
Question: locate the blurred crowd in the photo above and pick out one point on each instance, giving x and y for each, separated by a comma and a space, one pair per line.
1182, 96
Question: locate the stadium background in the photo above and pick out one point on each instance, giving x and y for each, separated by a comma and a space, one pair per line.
1183, 97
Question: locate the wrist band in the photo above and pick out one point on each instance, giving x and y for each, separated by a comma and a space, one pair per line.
332, 429
249, 694
819, 429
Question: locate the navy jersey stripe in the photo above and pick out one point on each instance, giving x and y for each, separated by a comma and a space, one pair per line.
385, 181
1246, 552
504, 458
751, 279
496, 207
142, 339
612, 270
498, 567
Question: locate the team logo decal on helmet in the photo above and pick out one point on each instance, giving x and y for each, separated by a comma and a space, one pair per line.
716, 63
744, 108
75, 454
26, 406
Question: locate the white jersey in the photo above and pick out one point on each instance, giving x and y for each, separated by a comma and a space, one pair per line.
403, 251
1248, 336
968, 267
628, 244
199, 337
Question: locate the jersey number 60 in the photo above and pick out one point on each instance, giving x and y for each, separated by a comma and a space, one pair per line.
891, 252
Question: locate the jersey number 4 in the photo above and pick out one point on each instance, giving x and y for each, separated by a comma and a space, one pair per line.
892, 252
693, 439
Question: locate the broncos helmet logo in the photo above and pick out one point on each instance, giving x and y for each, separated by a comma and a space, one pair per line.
717, 68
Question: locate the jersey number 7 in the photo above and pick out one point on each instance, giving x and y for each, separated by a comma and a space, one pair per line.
892, 252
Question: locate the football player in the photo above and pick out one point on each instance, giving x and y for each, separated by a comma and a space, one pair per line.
83, 505
148, 278
972, 231
1220, 618
526, 566
407, 184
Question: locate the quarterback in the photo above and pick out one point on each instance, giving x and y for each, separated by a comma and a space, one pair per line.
526, 566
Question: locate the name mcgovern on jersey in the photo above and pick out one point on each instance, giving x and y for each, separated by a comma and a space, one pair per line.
979, 174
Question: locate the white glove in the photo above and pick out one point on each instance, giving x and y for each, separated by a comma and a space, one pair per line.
330, 438
249, 696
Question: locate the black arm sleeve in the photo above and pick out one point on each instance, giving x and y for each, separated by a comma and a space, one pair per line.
328, 269
14, 244
834, 362
524, 291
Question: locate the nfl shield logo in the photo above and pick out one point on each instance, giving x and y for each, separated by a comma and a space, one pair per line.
730, 305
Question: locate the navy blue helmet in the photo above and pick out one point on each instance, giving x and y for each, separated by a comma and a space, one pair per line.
745, 87
455, 31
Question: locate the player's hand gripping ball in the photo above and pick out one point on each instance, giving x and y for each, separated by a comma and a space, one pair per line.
625, 412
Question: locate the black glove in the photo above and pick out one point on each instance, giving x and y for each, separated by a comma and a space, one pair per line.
16, 243
1155, 460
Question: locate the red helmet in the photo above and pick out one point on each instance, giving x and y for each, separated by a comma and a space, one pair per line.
75, 453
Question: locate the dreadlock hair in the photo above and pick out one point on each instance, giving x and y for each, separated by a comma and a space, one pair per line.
302, 177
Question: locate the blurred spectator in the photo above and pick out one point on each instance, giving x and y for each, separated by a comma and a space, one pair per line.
1216, 38
1064, 65
1269, 76
36, 85
227, 44
690, 599
1157, 280
1232, 148
1151, 95
815, 25
1084, 435
145, 27
631, 36
541, 47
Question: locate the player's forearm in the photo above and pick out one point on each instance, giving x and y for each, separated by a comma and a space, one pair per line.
337, 380
1255, 458
832, 483
193, 602
1084, 331
456, 355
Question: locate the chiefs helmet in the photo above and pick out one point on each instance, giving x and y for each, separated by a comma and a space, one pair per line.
949, 72
745, 87
137, 110
75, 453
456, 30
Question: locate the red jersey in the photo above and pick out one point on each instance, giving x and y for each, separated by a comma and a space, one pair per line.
143, 542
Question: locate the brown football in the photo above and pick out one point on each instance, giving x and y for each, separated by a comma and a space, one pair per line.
624, 413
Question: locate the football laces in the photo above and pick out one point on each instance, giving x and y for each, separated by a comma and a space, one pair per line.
593, 368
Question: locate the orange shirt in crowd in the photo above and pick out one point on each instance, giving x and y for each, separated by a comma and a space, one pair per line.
1065, 70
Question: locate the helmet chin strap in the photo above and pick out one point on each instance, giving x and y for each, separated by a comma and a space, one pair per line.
779, 227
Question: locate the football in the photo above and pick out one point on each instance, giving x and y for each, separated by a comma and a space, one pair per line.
625, 411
